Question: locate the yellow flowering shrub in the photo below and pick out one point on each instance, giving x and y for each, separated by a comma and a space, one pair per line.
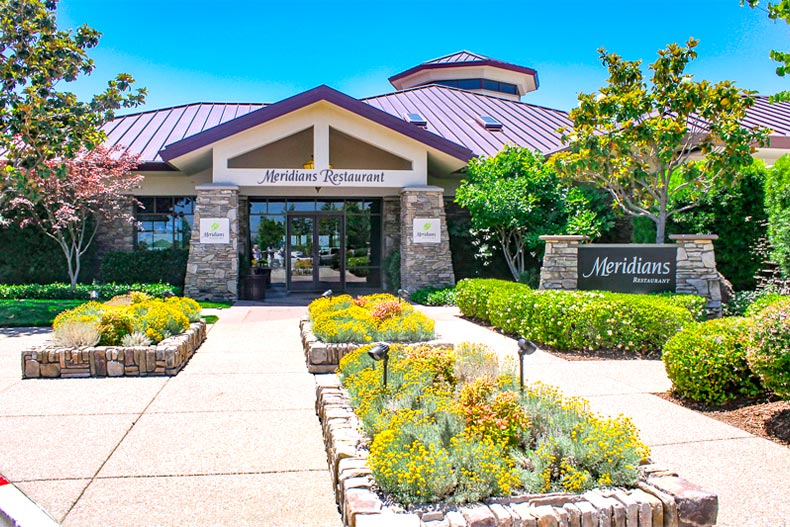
435, 438
155, 318
367, 319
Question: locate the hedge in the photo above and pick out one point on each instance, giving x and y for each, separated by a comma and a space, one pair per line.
579, 320
707, 362
145, 266
63, 291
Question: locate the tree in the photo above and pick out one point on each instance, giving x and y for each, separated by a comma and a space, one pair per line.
69, 209
38, 122
780, 11
643, 143
777, 204
516, 197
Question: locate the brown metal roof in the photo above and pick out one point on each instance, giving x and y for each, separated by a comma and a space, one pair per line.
453, 114
147, 133
461, 56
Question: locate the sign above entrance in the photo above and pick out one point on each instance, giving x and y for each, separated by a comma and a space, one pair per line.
627, 268
427, 230
327, 177
214, 230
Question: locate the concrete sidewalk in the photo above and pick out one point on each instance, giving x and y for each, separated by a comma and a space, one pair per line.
233, 439
751, 475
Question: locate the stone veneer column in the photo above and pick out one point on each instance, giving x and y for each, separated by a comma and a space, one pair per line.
213, 269
560, 262
696, 269
116, 235
424, 264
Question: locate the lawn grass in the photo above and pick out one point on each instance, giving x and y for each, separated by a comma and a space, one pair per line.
214, 305
23, 313
29, 312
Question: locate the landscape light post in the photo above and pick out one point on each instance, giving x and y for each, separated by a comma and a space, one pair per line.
380, 352
403, 295
525, 347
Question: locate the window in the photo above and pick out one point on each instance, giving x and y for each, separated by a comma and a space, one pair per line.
164, 222
477, 84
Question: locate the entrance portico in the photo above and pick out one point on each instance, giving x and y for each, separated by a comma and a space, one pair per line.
312, 173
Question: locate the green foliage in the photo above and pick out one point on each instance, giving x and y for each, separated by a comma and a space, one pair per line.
637, 140
62, 291
736, 213
777, 202
434, 296
144, 266
438, 436
516, 197
30, 257
38, 122
580, 320
706, 362
114, 325
763, 301
769, 352
392, 270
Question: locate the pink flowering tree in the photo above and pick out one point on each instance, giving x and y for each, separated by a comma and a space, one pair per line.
91, 188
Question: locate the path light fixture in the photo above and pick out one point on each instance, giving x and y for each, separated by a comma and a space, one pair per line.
327, 294
525, 347
94, 295
380, 352
403, 295
168, 294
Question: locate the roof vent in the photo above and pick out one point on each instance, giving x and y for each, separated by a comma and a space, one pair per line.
489, 123
415, 119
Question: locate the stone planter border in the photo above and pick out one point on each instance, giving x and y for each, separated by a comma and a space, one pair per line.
662, 499
165, 358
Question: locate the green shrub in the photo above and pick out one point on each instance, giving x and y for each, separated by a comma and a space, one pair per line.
114, 325
392, 270
777, 203
145, 266
765, 301
471, 294
63, 291
707, 363
434, 296
769, 352
580, 320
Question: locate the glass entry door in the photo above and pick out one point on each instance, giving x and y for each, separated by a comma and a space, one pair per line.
315, 252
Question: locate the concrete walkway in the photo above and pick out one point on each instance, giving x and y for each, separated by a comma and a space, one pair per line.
233, 439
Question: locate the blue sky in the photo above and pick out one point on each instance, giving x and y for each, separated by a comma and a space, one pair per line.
263, 51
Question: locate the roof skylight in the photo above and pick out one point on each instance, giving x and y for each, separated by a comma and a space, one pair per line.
489, 123
415, 119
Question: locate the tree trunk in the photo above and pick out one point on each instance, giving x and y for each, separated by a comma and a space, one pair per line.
661, 226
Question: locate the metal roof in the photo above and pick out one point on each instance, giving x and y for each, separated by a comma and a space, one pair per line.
460, 56
454, 114
320, 93
147, 133
774, 116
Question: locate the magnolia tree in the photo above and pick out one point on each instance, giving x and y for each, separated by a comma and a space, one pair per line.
642, 143
69, 209
38, 120
515, 197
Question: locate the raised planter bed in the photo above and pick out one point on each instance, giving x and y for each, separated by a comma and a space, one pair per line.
165, 358
662, 499
323, 357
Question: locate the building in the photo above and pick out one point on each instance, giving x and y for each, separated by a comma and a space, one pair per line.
322, 188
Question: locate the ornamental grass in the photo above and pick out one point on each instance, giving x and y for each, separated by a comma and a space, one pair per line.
367, 319
133, 318
445, 430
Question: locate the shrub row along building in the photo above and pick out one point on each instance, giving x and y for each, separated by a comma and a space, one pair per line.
323, 190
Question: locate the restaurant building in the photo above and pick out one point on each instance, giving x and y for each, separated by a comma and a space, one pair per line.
322, 190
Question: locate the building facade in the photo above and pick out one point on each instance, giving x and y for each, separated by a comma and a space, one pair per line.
323, 190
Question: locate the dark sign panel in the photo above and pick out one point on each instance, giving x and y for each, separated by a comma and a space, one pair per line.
627, 268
